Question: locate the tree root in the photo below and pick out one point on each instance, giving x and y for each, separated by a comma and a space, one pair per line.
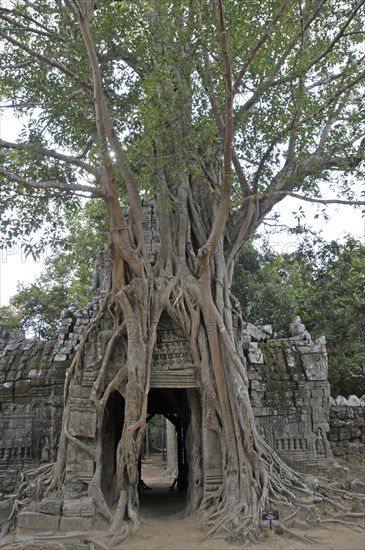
312, 502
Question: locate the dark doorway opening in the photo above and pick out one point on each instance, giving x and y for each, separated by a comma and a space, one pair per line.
174, 404
165, 495
111, 434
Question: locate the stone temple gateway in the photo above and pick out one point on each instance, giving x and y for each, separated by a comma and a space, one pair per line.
289, 393
288, 387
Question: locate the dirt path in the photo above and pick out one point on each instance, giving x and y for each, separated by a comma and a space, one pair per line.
165, 528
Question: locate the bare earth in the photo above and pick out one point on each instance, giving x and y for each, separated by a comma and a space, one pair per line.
164, 527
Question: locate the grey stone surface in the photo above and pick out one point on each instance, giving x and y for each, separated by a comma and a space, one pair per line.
290, 393
38, 521
341, 400
354, 401
347, 429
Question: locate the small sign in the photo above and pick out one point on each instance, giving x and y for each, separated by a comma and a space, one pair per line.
270, 515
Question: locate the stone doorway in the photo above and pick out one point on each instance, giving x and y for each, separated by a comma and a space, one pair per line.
112, 431
181, 406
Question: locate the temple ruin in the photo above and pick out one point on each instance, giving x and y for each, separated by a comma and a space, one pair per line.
289, 392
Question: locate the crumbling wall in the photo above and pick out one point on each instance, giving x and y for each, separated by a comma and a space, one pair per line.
289, 391
288, 388
347, 426
31, 404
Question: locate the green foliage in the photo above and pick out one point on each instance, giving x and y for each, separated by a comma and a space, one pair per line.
301, 98
335, 307
10, 318
41, 304
325, 285
67, 279
269, 287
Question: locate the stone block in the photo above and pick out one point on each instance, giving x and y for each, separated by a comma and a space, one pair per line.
257, 385
345, 434
51, 506
258, 334
79, 392
341, 401
317, 393
81, 507
38, 521
21, 387
354, 401
255, 354
315, 366
339, 451
76, 524
82, 423
6, 392
355, 432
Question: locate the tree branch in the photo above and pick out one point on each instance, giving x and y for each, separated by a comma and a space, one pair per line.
294, 124
245, 188
223, 209
338, 36
25, 16
46, 59
72, 188
333, 162
251, 56
51, 154
107, 136
25, 27
270, 80
283, 194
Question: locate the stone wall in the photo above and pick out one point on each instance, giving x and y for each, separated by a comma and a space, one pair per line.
347, 426
288, 387
31, 404
290, 394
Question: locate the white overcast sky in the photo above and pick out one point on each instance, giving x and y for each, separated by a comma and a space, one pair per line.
15, 267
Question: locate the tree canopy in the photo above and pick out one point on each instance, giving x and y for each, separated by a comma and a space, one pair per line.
284, 78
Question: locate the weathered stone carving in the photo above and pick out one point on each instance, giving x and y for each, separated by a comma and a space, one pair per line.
289, 392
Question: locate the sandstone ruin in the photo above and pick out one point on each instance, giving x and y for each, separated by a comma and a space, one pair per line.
289, 392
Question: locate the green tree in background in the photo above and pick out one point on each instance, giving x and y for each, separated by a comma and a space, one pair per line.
67, 278
334, 305
10, 318
269, 287
322, 282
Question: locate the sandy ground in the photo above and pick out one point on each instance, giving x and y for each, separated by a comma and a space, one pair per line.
165, 528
